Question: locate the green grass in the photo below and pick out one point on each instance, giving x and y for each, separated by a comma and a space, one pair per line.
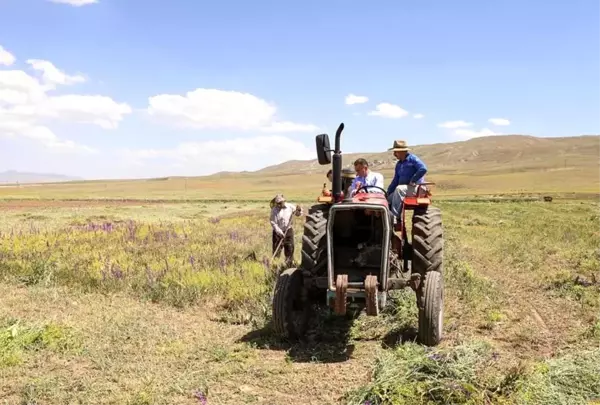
156, 303
18, 339
176, 262
464, 374
572, 378
502, 266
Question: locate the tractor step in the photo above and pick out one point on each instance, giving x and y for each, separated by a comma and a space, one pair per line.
341, 289
372, 299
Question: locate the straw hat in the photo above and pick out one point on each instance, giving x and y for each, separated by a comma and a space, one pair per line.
400, 146
348, 173
279, 198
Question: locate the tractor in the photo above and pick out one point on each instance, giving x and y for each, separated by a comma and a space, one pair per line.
354, 253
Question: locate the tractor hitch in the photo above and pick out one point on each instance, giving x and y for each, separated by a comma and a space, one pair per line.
396, 283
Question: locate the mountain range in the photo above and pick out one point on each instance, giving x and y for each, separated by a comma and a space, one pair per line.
520, 160
13, 176
481, 156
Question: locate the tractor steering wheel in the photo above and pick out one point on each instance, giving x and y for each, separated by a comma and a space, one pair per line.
368, 186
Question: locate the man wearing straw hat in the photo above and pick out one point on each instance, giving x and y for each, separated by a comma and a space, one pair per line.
281, 222
409, 171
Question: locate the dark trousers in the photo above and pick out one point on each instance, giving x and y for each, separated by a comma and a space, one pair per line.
288, 245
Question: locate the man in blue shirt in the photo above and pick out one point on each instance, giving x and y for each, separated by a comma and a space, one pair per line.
365, 177
409, 171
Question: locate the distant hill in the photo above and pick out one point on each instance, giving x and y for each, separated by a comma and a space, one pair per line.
498, 165
12, 176
479, 156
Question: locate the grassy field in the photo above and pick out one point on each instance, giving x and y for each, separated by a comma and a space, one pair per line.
144, 303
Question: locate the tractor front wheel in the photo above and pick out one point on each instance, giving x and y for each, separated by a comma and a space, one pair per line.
291, 310
431, 308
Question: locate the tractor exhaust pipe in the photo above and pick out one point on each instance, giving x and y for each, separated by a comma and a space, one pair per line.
337, 166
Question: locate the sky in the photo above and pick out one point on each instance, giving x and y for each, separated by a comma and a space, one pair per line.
105, 89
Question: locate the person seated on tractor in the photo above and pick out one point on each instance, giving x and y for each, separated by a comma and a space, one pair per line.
365, 177
348, 176
330, 175
409, 171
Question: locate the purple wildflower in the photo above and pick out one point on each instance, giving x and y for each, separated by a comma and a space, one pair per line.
435, 357
132, 229
116, 272
150, 275
199, 395
158, 236
223, 263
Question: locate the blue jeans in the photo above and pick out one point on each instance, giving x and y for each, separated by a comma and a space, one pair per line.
397, 198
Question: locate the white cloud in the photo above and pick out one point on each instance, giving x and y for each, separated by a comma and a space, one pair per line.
6, 58
26, 104
17, 81
230, 154
52, 75
41, 135
13, 97
499, 121
455, 124
469, 133
221, 109
418, 116
388, 110
75, 3
98, 110
354, 99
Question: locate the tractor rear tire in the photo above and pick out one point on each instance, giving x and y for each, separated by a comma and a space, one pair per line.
290, 314
431, 309
427, 241
314, 240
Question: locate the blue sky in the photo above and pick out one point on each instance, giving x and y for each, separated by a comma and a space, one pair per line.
131, 88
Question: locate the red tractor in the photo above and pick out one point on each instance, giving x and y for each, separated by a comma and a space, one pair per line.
354, 254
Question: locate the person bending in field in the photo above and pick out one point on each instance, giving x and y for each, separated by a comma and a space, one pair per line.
409, 171
365, 177
281, 222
